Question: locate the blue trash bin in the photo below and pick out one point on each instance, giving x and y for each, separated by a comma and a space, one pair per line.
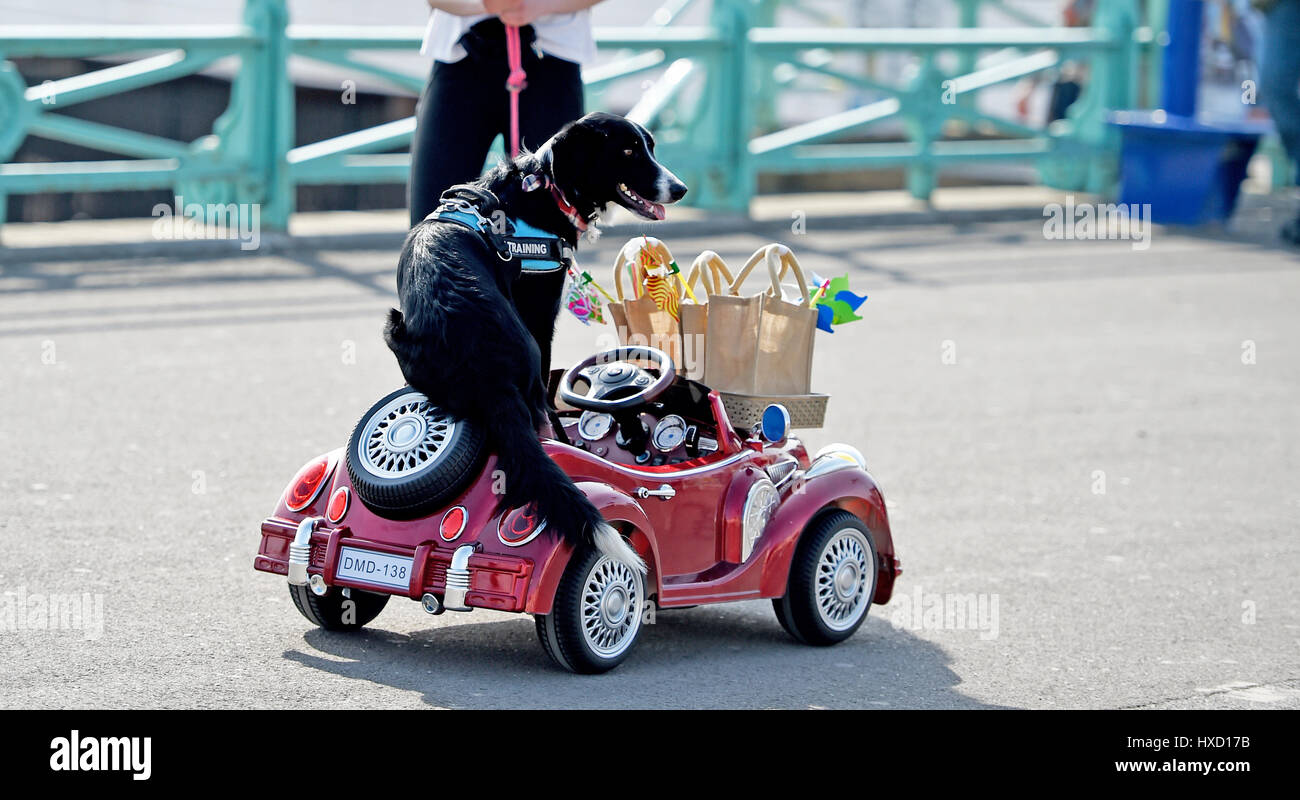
1188, 170
1187, 167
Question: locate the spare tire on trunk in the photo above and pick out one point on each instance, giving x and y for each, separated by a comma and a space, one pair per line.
408, 458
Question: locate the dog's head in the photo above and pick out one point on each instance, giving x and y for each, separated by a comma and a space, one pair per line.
602, 159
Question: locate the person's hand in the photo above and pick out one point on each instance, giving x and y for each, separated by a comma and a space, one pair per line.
516, 12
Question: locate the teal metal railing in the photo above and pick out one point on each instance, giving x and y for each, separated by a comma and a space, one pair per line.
712, 101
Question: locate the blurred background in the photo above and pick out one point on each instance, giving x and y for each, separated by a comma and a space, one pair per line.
694, 94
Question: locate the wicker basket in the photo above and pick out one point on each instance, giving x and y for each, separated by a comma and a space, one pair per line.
745, 410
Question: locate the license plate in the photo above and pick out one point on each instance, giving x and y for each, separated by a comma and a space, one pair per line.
382, 569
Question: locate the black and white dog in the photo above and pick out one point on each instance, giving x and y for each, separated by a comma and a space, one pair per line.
474, 334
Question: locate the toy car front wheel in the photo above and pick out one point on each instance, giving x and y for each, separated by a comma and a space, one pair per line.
334, 612
832, 581
596, 616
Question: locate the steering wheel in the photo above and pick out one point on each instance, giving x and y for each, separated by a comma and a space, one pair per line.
609, 373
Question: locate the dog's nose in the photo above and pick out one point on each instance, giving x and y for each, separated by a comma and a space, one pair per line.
678, 191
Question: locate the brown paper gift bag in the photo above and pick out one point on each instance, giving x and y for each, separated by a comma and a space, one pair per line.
640, 320
715, 279
761, 344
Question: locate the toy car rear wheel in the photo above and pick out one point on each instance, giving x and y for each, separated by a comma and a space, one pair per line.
334, 612
407, 457
832, 581
596, 617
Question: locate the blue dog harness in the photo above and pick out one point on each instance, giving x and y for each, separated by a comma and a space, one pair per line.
535, 249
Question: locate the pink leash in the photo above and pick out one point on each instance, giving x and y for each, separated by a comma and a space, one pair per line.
515, 83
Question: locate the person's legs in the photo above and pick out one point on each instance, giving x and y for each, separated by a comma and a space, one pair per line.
456, 120
1279, 86
553, 98
1279, 73
465, 105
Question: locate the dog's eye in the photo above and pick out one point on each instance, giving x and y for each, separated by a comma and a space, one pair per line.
627, 152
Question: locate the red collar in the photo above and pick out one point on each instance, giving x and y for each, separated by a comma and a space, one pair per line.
540, 180
567, 208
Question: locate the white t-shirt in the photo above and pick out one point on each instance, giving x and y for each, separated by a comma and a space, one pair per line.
566, 36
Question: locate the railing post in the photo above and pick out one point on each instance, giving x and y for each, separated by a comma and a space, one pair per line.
277, 99
729, 183
1087, 153
969, 15
1119, 85
764, 117
256, 131
923, 119
14, 117
1157, 20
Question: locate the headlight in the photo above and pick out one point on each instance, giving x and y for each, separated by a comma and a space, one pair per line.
760, 505
844, 451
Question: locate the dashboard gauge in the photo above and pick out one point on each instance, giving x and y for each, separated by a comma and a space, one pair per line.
669, 434
594, 426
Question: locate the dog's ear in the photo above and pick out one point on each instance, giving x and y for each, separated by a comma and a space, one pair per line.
575, 144
586, 131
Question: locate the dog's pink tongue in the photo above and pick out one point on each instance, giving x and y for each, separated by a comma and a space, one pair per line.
657, 211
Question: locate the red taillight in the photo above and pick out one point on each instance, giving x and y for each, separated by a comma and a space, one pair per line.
520, 526
338, 504
306, 484
453, 523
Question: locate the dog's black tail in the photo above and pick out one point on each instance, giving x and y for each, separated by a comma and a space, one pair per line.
531, 476
397, 340
413, 357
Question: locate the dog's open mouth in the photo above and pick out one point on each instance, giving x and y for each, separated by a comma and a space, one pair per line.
638, 204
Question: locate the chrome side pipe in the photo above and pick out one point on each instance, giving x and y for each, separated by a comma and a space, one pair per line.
458, 578
300, 551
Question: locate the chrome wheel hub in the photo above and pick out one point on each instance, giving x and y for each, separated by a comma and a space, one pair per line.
614, 609
846, 581
407, 435
611, 607
843, 578
404, 434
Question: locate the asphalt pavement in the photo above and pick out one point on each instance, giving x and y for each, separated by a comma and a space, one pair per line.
1089, 452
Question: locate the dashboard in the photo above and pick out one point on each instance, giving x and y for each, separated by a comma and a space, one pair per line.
679, 426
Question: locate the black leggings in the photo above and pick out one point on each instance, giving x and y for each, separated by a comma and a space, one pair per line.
465, 105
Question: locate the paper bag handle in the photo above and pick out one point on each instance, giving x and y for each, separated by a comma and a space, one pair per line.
710, 269
789, 262
655, 246
773, 255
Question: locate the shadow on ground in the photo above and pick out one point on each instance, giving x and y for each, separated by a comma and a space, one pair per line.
696, 658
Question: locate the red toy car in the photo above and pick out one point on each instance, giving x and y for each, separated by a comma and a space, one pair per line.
410, 508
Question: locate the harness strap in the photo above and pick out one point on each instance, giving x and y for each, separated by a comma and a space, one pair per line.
473, 206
